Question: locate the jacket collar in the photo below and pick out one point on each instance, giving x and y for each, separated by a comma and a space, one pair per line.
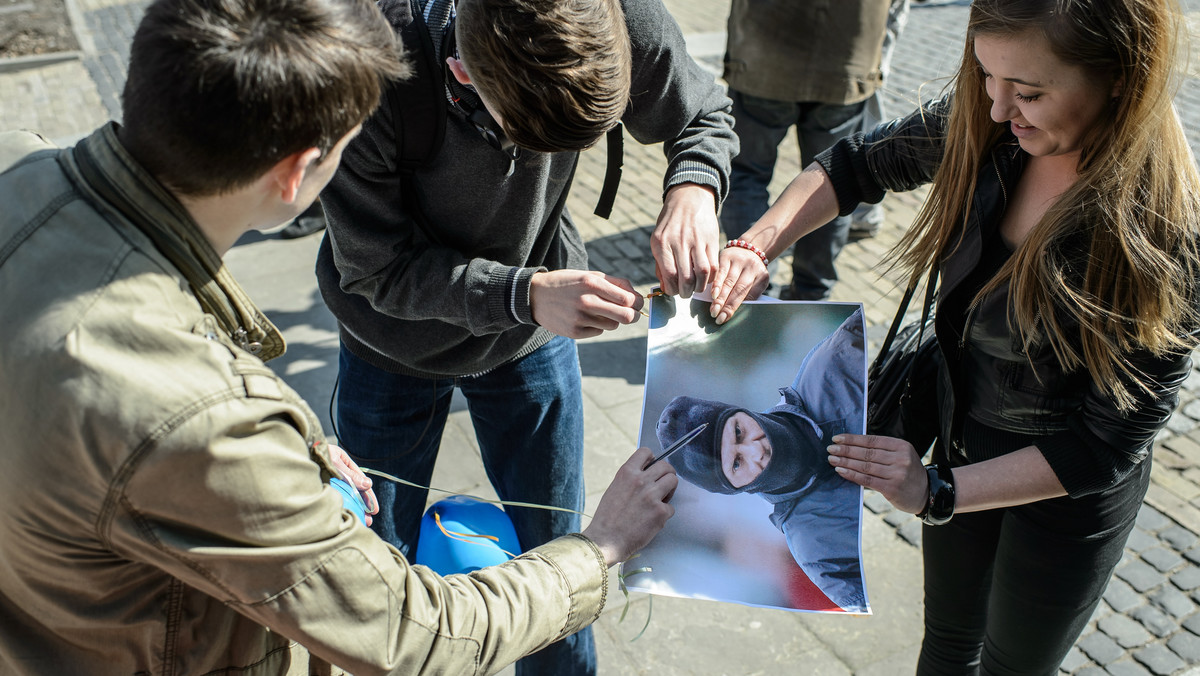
114, 181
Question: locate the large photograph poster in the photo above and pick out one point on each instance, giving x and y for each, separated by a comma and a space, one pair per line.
761, 518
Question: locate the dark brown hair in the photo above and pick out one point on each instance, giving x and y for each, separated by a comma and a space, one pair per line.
557, 72
221, 90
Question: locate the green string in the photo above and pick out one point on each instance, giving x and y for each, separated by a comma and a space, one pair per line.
621, 573
507, 503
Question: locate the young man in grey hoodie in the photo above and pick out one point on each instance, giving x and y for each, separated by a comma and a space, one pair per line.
469, 272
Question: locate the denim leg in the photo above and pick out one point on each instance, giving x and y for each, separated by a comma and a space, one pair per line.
761, 125
528, 418
813, 272
392, 423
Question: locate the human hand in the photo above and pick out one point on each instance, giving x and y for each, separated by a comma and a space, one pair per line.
684, 242
354, 476
582, 303
885, 464
740, 276
634, 507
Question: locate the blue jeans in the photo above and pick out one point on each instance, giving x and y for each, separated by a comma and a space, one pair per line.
761, 125
528, 419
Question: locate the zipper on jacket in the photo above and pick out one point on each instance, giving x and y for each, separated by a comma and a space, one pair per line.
962, 338
1000, 180
243, 339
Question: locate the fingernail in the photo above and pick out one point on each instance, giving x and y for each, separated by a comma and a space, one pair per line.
841, 470
837, 438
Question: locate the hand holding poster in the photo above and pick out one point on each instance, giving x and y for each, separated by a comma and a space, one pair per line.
761, 517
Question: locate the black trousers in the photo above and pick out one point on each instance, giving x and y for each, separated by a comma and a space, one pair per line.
1008, 591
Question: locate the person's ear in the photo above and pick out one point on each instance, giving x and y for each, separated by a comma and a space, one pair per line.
290, 171
456, 68
1118, 87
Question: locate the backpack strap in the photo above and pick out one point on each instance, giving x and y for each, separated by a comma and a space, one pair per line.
419, 102
612, 172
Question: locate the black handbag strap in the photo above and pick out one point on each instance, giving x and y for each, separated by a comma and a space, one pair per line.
898, 320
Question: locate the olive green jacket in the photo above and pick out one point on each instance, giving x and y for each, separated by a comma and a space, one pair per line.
822, 51
166, 507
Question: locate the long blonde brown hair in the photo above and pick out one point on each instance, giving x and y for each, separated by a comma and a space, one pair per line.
1134, 206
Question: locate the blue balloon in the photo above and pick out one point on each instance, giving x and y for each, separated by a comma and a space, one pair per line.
448, 554
351, 500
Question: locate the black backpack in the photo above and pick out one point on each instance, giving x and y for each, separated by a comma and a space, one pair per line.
419, 104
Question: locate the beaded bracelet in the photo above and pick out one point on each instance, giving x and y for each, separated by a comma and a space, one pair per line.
743, 244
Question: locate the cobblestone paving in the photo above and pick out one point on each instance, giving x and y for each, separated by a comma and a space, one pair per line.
1148, 622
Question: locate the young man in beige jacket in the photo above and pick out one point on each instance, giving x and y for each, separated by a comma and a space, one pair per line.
167, 506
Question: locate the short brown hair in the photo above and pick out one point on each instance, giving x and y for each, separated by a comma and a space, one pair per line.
556, 71
221, 90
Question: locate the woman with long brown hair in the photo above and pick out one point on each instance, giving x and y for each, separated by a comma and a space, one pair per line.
1063, 220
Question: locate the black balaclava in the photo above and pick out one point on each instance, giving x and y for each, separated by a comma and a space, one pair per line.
795, 446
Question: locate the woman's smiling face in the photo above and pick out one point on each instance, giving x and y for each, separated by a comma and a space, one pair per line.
1050, 105
745, 449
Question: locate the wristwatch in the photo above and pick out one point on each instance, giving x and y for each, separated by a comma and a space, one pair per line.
940, 507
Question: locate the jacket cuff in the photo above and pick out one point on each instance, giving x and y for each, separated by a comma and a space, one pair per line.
509, 293
1077, 457
844, 161
690, 171
582, 567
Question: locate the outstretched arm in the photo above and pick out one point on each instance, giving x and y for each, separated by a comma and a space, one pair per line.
805, 205
676, 102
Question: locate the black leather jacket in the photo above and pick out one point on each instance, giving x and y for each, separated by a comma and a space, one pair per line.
987, 373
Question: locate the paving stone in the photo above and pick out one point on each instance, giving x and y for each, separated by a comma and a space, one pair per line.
911, 532
1125, 631
1179, 537
1192, 554
1127, 668
1102, 611
897, 517
1102, 649
1187, 579
1140, 575
1140, 540
1074, 661
1162, 558
1180, 424
1174, 602
630, 248
1192, 624
1159, 660
1159, 623
1121, 596
876, 502
1090, 671
1151, 519
1186, 645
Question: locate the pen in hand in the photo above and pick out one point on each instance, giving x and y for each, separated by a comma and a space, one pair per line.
681, 442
